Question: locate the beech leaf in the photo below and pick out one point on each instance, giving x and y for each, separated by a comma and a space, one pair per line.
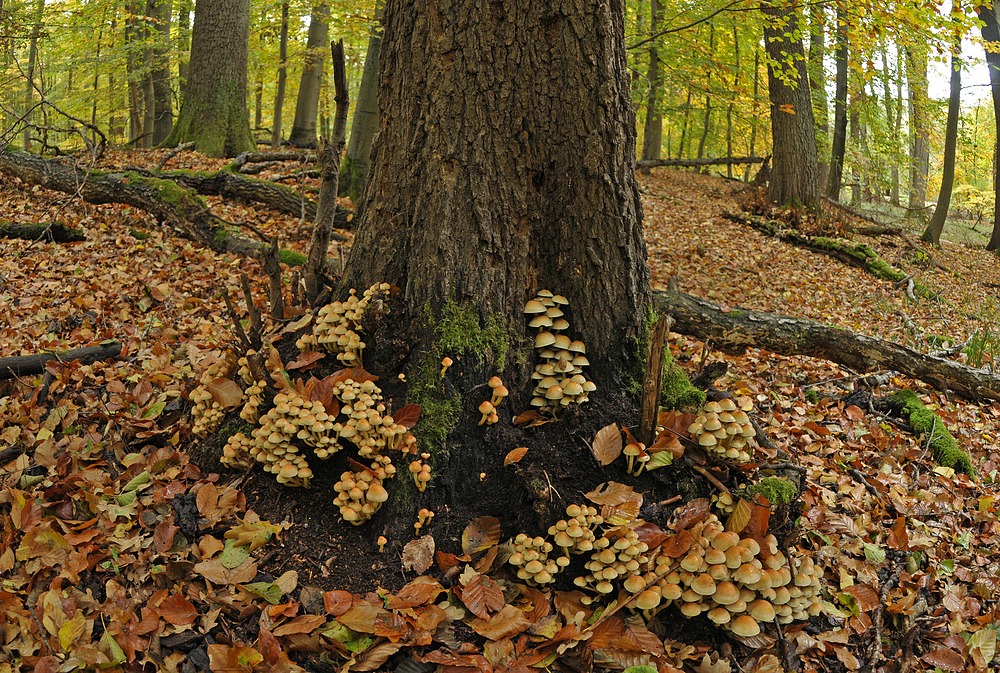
481, 533
607, 444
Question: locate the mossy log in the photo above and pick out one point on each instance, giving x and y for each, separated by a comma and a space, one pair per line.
855, 254
57, 233
30, 365
734, 330
923, 421
179, 207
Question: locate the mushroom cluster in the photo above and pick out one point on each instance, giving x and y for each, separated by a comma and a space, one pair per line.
531, 556
619, 558
723, 429
207, 412
489, 407
575, 535
732, 582
366, 424
560, 371
338, 325
724, 502
359, 495
421, 472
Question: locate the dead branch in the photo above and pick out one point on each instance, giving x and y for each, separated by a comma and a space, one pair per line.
30, 365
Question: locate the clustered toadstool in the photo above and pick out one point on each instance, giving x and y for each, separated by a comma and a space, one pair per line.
338, 325
729, 578
560, 372
421, 472
488, 408
294, 421
723, 429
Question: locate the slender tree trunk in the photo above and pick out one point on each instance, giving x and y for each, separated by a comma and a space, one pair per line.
857, 138
732, 102
708, 95
892, 119
307, 104
258, 103
96, 88
795, 171
685, 123
214, 111
364, 125
916, 67
652, 135
279, 96
162, 98
29, 74
817, 84
752, 144
183, 45
933, 232
839, 108
991, 33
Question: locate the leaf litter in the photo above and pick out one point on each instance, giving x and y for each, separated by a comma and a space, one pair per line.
118, 550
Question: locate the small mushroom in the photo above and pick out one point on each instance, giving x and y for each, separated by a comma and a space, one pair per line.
486, 408
745, 626
445, 363
381, 543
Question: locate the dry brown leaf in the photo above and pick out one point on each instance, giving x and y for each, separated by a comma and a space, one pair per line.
408, 416
305, 360
420, 591
177, 610
361, 617
482, 533
505, 624
740, 517
337, 602
515, 455
300, 624
418, 555
607, 444
226, 392
865, 595
481, 595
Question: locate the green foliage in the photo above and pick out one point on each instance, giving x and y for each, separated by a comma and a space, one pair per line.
676, 391
777, 490
291, 257
459, 331
925, 422
640, 669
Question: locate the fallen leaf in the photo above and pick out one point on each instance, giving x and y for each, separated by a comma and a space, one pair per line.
481, 533
418, 555
515, 455
607, 444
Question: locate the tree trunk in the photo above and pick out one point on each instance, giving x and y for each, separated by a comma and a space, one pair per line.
933, 232
279, 96
685, 124
307, 104
752, 143
364, 126
991, 33
732, 102
916, 70
839, 108
795, 170
652, 134
708, 95
183, 45
857, 138
29, 74
817, 83
214, 111
734, 330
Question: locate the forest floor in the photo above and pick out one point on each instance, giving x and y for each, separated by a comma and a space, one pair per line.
114, 518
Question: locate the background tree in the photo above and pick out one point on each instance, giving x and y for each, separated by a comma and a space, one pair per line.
933, 232
795, 173
988, 14
916, 72
652, 138
307, 105
279, 96
214, 111
364, 125
839, 106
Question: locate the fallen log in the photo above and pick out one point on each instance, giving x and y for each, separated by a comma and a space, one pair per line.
57, 233
734, 330
693, 163
30, 365
174, 205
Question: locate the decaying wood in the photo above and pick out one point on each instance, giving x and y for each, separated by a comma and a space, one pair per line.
734, 330
328, 162
174, 205
56, 233
657, 342
692, 163
30, 365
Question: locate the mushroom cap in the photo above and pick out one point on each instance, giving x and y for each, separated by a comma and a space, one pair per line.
560, 324
544, 339
691, 609
692, 563
572, 388
724, 540
761, 610
713, 407
634, 584
541, 320
745, 626
726, 593
553, 312
486, 407
647, 600
376, 493
748, 573
727, 404
719, 615
534, 306
534, 567
562, 341
577, 347
707, 439
703, 585
671, 591
714, 556
559, 299
554, 393
712, 423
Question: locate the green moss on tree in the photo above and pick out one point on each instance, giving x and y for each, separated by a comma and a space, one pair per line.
291, 257
777, 490
924, 421
676, 391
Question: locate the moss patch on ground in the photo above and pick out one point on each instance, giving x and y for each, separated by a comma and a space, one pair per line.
676, 391
924, 421
777, 490
291, 257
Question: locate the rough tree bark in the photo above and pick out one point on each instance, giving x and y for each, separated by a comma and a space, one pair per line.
817, 82
307, 104
795, 168
839, 108
163, 118
364, 125
991, 33
214, 111
933, 232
